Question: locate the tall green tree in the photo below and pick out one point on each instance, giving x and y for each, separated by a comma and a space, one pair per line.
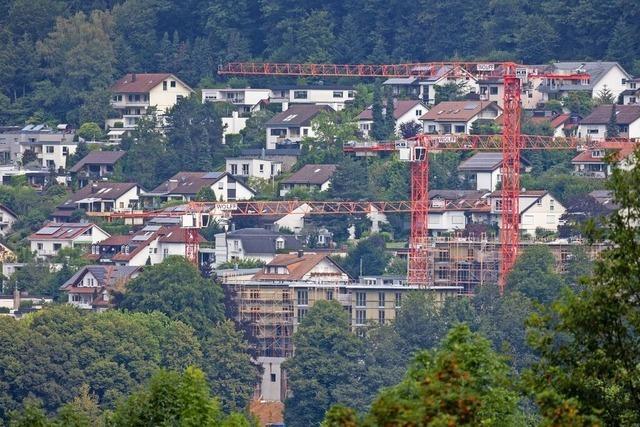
613, 130
379, 127
325, 350
367, 255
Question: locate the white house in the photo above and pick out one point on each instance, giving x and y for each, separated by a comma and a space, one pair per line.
185, 186
592, 162
594, 126
100, 197
404, 111
247, 167
302, 266
50, 147
538, 209
451, 210
135, 93
484, 169
564, 77
458, 117
333, 96
90, 288
246, 100
54, 236
309, 178
288, 128
252, 243
7, 219
631, 95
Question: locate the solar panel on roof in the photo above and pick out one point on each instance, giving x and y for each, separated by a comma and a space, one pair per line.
152, 228
212, 175
471, 106
140, 238
27, 127
49, 230
38, 127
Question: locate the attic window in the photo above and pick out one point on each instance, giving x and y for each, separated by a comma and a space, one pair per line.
598, 154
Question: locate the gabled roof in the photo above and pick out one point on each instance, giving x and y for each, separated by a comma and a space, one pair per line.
139, 241
400, 108
105, 275
297, 115
625, 115
141, 82
63, 231
8, 210
485, 161
623, 151
311, 174
261, 241
458, 200
98, 158
189, 183
458, 111
595, 69
560, 119
99, 191
298, 265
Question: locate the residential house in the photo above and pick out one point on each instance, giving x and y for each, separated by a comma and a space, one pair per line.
246, 100
288, 157
293, 221
594, 126
91, 287
592, 162
7, 219
100, 197
252, 243
404, 111
484, 169
54, 236
288, 128
333, 96
95, 166
248, 167
538, 210
185, 186
458, 117
564, 78
309, 178
135, 94
149, 246
452, 210
50, 147
631, 95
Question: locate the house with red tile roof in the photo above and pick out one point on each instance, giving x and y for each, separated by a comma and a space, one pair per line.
135, 93
458, 117
404, 111
592, 162
54, 236
302, 266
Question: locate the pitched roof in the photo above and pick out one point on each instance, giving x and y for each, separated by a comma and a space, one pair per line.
139, 241
99, 191
458, 111
456, 200
62, 231
8, 210
560, 119
262, 241
523, 193
623, 150
106, 275
141, 82
298, 265
98, 158
311, 174
485, 161
595, 69
400, 108
189, 183
297, 115
625, 115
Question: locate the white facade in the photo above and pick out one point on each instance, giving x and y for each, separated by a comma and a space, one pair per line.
336, 97
458, 126
535, 212
7, 219
253, 168
224, 184
488, 180
598, 132
232, 125
279, 133
272, 386
285, 188
46, 248
447, 221
294, 221
246, 99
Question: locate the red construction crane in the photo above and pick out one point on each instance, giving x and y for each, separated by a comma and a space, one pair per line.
511, 141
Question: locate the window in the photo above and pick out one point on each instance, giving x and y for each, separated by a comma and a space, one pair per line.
173, 83
361, 317
381, 298
117, 98
49, 149
65, 151
539, 202
261, 167
551, 219
593, 131
285, 296
179, 97
361, 299
330, 295
278, 132
301, 313
57, 246
305, 132
364, 126
164, 85
299, 94
551, 204
221, 185
493, 90
632, 85
273, 378
121, 204
498, 205
632, 100
245, 169
165, 252
40, 246
459, 128
234, 169
236, 245
351, 94
599, 154
431, 128
418, 112
337, 94
398, 299
280, 244
76, 298
303, 297
254, 294
381, 317
446, 128
623, 128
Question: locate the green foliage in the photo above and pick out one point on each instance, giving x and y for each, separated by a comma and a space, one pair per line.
206, 194
563, 185
254, 135
613, 130
379, 127
534, 275
579, 103
589, 339
605, 97
90, 131
453, 91
325, 350
242, 263
370, 254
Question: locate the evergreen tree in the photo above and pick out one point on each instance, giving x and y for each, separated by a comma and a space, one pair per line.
613, 130
389, 118
379, 126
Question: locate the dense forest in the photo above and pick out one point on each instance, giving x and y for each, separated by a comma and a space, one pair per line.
58, 56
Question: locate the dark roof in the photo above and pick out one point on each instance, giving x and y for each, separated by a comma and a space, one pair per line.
400, 108
62, 231
189, 183
311, 174
106, 275
141, 82
604, 198
98, 190
596, 71
8, 210
458, 111
261, 241
297, 115
98, 158
485, 161
625, 115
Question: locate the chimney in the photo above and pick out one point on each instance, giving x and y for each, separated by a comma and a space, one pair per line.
263, 153
133, 77
300, 253
94, 188
172, 184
